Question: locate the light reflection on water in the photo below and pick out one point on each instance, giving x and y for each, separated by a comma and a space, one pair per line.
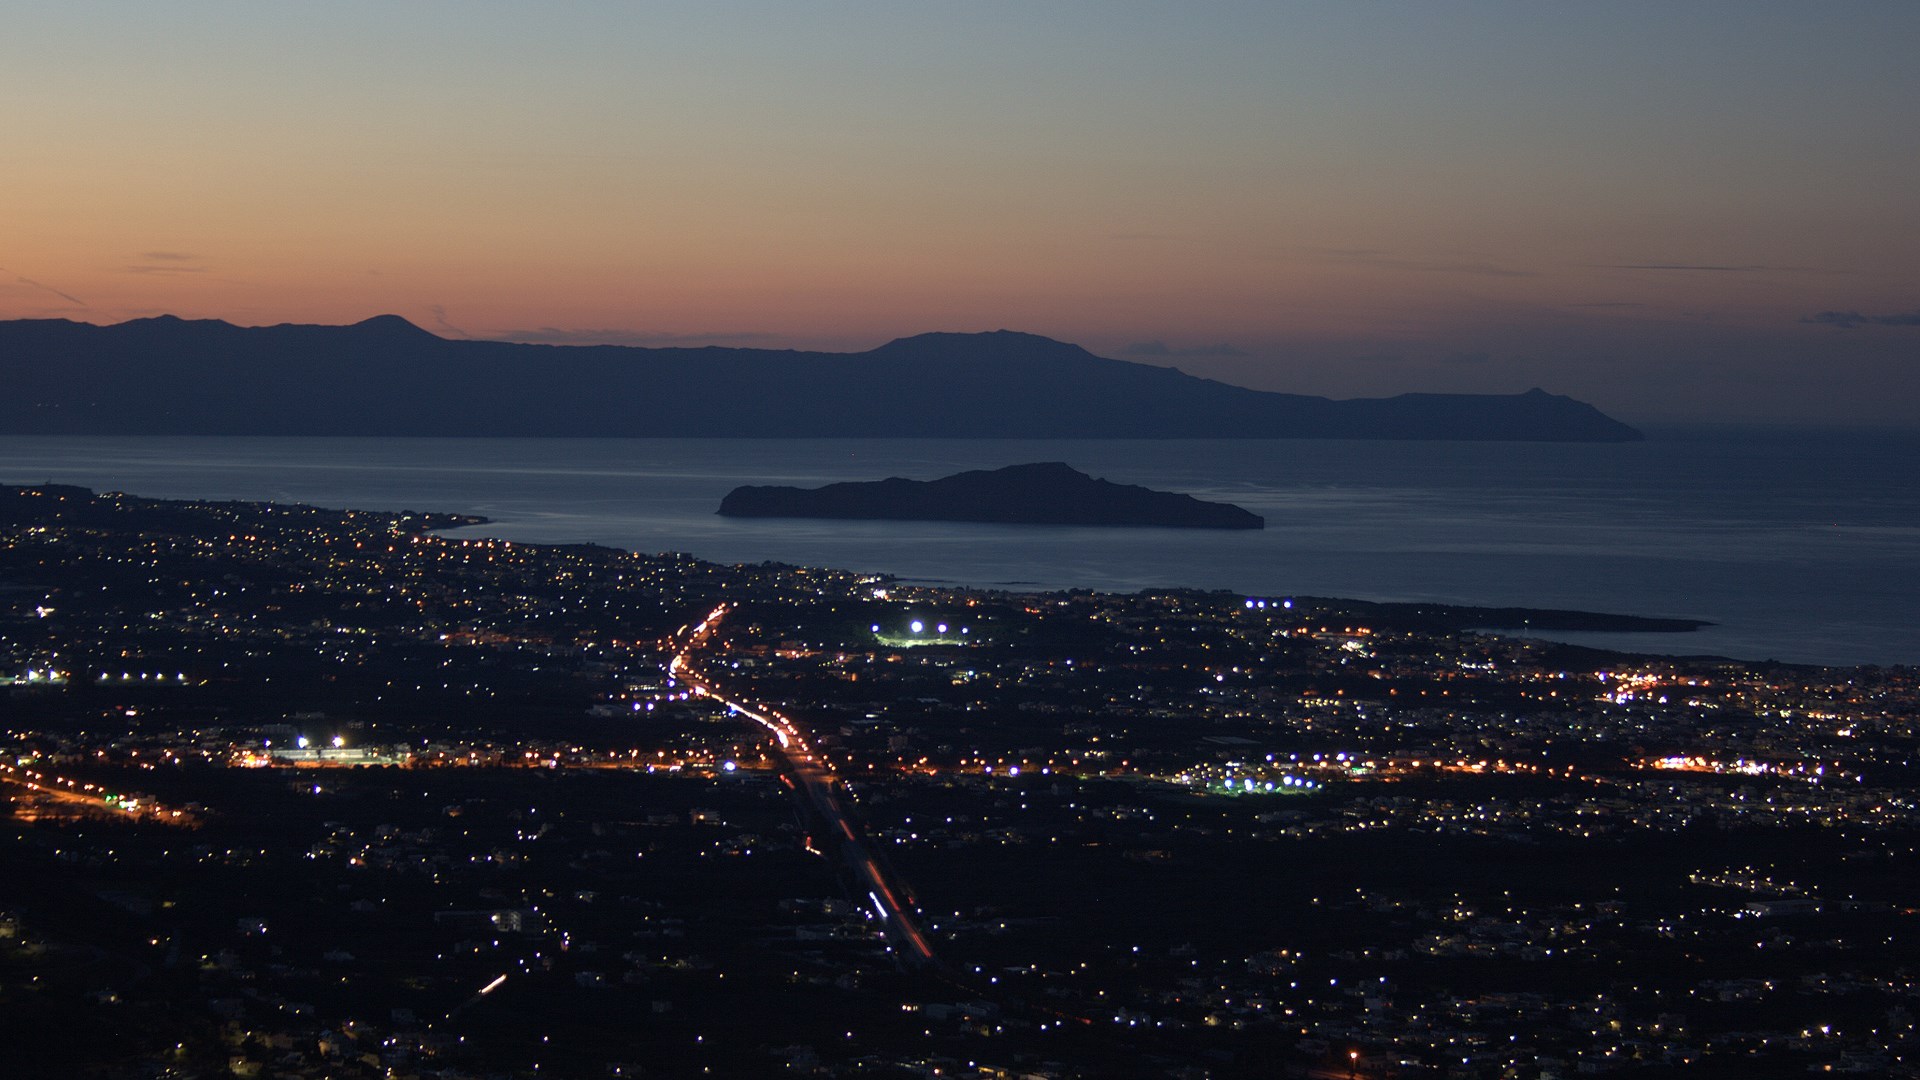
1800, 545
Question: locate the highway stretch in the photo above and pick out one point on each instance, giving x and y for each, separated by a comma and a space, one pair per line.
80, 794
814, 779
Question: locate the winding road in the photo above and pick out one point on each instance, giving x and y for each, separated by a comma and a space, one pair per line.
813, 778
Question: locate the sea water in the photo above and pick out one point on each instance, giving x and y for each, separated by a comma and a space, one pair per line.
1799, 545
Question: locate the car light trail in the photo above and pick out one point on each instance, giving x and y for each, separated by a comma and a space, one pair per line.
815, 779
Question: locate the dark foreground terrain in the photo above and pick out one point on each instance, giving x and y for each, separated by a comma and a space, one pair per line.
307, 793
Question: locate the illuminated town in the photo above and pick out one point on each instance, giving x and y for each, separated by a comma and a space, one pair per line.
312, 793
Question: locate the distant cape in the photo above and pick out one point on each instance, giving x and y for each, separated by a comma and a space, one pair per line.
387, 377
1045, 493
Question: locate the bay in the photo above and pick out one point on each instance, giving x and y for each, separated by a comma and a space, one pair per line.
1800, 545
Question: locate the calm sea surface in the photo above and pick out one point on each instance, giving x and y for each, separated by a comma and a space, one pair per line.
1800, 545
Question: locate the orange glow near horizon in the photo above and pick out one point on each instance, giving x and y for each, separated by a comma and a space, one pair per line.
1316, 200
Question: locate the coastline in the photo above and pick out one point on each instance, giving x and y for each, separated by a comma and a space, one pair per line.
1794, 549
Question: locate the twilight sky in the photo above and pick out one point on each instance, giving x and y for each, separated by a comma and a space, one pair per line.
1676, 211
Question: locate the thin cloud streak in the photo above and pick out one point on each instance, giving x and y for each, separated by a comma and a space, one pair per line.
1849, 320
67, 296
1703, 267
1161, 348
164, 262
1386, 260
552, 335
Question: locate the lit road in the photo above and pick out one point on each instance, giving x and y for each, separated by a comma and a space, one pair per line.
814, 778
89, 796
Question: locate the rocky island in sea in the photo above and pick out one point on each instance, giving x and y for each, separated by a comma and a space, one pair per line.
1044, 493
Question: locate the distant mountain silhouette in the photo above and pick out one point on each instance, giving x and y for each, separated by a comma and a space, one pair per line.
385, 376
1045, 493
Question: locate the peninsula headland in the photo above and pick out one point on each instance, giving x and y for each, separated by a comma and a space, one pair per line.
386, 377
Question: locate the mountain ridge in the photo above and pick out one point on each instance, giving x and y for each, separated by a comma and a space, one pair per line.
385, 376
